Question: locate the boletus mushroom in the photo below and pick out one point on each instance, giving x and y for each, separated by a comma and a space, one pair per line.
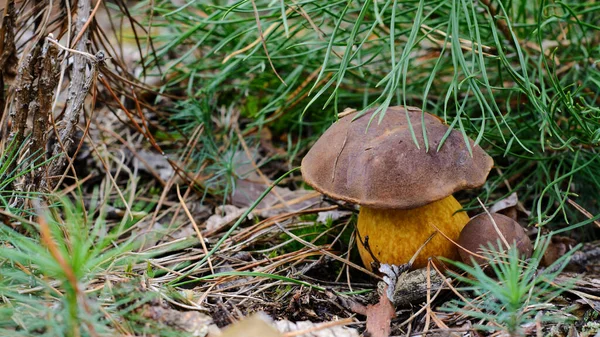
404, 192
480, 232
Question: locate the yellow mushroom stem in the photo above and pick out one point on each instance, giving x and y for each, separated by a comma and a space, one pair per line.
394, 235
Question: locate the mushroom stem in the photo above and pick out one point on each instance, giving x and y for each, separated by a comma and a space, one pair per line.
394, 235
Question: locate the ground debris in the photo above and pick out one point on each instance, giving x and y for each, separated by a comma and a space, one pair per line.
310, 329
587, 284
379, 317
193, 322
252, 183
261, 325
406, 289
149, 161
224, 216
509, 206
258, 325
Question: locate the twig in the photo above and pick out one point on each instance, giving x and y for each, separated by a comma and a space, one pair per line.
263, 41
583, 211
494, 224
178, 170
200, 237
83, 74
90, 57
345, 261
88, 20
265, 180
235, 225
111, 178
456, 243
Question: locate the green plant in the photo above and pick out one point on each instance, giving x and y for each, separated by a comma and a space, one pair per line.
519, 77
511, 291
13, 174
46, 274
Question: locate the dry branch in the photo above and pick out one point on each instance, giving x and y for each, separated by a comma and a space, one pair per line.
24, 96
8, 51
47, 83
83, 72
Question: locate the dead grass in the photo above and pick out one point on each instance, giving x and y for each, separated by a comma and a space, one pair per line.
192, 244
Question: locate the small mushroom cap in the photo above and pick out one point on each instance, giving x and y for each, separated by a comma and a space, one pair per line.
381, 167
480, 231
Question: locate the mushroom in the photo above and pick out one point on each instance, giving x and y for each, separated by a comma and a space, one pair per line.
480, 232
405, 191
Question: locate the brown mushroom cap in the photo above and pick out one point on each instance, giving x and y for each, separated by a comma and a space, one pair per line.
381, 167
480, 231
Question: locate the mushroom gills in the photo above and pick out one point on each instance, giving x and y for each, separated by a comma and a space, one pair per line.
394, 235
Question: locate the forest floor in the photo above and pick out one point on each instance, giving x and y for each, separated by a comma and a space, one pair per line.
178, 219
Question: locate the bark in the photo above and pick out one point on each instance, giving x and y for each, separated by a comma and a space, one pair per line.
8, 51
24, 90
83, 72
47, 82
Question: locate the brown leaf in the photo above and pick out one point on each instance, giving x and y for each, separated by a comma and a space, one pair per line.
224, 216
193, 322
379, 317
310, 329
558, 247
250, 185
252, 326
508, 202
509, 206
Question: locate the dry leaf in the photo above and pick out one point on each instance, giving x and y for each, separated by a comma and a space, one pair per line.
559, 246
333, 215
194, 322
257, 325
224, 215
314, 329
379, 316
234, 282
510, 201
261, 325
250, 185
149, 234
158, 162
509, 206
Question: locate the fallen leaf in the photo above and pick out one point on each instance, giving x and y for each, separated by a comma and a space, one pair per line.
510, 201
509, 206
310, 329
234, 282
379, 316
559, 246
154, 161
250, 185
193, 322
261, 325
324, 217
148, 234
266, 141
257, 325
224, 215
586, 284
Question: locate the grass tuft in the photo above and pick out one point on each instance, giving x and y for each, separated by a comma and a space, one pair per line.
511, 292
